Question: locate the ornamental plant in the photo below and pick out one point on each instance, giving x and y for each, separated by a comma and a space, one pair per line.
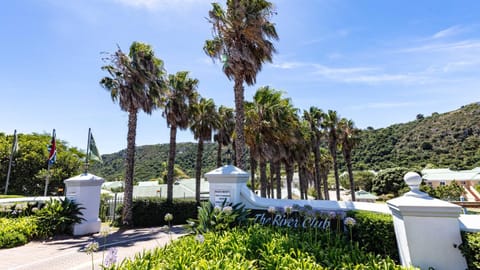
218, 218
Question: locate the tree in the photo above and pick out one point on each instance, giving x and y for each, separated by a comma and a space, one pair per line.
314, 117
137, 82
390, 181
349, 138
242, 40
223, 134
181, 94
330, 124
30, 164
204, 120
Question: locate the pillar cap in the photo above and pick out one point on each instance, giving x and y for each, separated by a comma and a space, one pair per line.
413, 181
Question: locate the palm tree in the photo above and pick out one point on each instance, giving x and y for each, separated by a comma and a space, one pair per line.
349, 138
269, 130
204, 120
242, 35
137, 82
182, 92
314, 117
330, 124
224, 132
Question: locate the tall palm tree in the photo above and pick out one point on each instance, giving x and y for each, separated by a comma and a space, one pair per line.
204, 120
223, 134
242, 40
330, 124
349, 138
137, 82
182, 93
314, 117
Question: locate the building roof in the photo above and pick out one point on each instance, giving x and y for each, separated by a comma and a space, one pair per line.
449, 175
365, 195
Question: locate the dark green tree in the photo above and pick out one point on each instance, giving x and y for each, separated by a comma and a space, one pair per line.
390, 181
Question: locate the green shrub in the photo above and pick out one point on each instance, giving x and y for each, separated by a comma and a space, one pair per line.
470, 249
260, 247
149, 212
58, 217
375, 232
218, 218
18, 231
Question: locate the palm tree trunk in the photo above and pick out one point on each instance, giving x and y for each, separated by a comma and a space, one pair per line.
253, 168
263, 178
198, 170
302, 180
350, 176
239, 119
289, 170
324, 177
171, 162
127, 215
219, 155
316, 153
278, 179
272, 179
335, 171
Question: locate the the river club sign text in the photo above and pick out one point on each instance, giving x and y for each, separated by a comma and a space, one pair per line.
284, 220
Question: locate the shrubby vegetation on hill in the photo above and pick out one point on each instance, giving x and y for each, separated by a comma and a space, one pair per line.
445, 140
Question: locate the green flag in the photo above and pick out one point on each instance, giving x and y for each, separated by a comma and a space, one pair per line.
94, 154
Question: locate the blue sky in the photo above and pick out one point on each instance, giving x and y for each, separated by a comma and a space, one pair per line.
375, 62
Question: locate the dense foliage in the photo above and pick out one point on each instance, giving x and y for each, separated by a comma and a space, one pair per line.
390, 181
17, 231
260, 247
450, 192
29, 167
218, 218
471, 249
149, 212
24, 223
372, 229
445, 140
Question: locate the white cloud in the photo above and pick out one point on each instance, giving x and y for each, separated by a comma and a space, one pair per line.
448, 32
448, 46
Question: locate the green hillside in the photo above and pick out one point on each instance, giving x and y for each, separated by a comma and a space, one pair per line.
450, 139
151, 161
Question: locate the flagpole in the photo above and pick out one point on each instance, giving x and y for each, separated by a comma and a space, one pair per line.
88, 150
11, 158
49, 164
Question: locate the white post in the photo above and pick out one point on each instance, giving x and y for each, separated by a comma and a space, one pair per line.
85, 190
225, 184
427, 229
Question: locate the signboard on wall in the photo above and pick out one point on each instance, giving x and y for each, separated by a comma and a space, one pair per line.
222, 195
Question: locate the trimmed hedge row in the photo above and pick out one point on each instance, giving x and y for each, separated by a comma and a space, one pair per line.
375, 233
148, 212
470, 248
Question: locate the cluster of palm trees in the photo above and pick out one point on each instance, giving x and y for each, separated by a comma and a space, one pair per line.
139, 82
269, 125
277, 135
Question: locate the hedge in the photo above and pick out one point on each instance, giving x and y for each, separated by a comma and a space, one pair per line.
470, 248
149, 212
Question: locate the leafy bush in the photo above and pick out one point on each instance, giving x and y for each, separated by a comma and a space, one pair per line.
18, 231
470, 249
260, 247
58, 216
149, 212
375, 233
218, 218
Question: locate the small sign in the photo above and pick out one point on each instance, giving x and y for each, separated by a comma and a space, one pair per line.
222, 195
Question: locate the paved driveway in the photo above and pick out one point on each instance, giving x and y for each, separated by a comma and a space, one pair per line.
68, 252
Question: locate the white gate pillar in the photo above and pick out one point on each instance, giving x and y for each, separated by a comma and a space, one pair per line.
225, 184
84, 189
427, 229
